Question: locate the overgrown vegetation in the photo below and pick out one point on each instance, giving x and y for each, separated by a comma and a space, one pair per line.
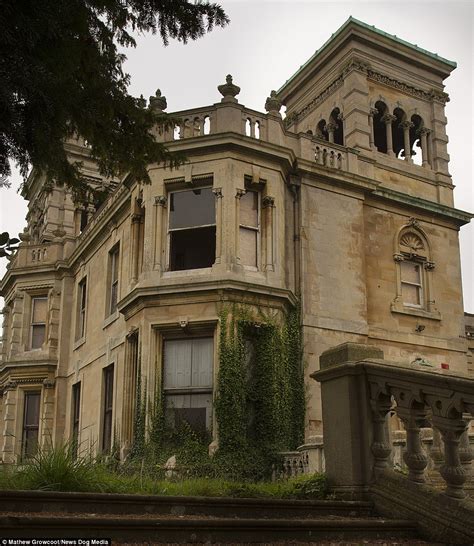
58, 470
260, 406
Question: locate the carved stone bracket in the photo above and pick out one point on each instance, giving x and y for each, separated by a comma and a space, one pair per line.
240, 193
429, 266
217, 192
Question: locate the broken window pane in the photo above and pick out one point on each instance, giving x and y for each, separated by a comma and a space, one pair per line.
192, 218
31, 414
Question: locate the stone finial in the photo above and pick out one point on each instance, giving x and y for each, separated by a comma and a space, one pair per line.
228, 90
142, 102
272, 104
25, 236
158, 102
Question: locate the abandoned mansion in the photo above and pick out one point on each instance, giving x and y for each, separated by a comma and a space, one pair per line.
341, 213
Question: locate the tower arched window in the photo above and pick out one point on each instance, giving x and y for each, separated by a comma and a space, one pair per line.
414, 269
321, 130
336, 127
378, 115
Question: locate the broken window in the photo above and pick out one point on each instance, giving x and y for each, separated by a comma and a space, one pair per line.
31, 414
39, 311
108, 408
187, 381
249, 228
112, 276
81, 308
76, 412
192, 229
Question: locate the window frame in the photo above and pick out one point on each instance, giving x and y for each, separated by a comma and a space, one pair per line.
75, 417
81, 309
113, 274
25, 429
257, 230
190, 390
33, 324
420, 286
108, 381
169, 230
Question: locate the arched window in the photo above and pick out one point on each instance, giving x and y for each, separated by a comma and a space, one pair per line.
207, 125
414, 267
415, 139
336, 126
397, 133
379, 127
321, 130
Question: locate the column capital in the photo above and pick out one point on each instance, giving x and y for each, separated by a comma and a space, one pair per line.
406, 124
423, 131
388, 118
217, 192
160, 200
268, 201
240, 193
373, 112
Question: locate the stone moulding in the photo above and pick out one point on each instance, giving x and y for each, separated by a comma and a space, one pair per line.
430, 96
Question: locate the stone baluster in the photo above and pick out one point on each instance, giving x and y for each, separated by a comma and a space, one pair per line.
453, 471
406, 126
465, 452
437, 450
381, 448
388, 119
424, 132
415, 457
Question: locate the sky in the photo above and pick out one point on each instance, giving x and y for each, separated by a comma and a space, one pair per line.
267, 41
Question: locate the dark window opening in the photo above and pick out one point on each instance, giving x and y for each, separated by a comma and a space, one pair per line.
108, 408
31, 414
380, 131
397, 133
336, 120
76, 412
321, 130
192, 229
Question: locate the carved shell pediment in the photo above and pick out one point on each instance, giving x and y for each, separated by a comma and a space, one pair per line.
413, 242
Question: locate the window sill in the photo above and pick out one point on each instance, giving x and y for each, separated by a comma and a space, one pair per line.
78, 343
397, 307
111, 318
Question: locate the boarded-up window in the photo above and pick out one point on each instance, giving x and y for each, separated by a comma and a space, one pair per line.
187, 381
412, 284
249, 228
39, 311
192, 229
31, 417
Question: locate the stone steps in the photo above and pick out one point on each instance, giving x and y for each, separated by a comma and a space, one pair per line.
140, 519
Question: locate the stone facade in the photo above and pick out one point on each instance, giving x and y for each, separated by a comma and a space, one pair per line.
323, 207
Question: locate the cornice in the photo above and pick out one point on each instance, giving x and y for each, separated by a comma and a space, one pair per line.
362, 66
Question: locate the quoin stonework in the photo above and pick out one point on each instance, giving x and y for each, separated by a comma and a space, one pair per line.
343, 209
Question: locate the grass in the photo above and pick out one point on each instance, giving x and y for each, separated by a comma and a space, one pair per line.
58, 470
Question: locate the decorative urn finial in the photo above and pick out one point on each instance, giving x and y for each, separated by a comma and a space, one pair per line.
158, 102
229, 90
273, 104
142, 101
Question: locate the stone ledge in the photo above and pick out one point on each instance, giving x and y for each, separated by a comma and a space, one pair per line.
348, 352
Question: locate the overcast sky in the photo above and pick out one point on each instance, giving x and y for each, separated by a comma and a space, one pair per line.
267, 41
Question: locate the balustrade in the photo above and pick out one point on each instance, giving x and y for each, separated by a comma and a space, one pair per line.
329, 157
421, 398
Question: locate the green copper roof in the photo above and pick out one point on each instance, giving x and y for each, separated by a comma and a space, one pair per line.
377, 31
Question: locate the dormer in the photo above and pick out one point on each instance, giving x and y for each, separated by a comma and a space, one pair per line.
374, 92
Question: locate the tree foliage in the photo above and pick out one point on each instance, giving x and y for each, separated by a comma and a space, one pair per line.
61, 74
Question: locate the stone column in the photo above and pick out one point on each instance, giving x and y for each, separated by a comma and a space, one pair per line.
5, 327
9, 421
16, 324
331, 128
238, 195
218, 195
268, 204
423, 132
47, 414
388, 119
372, 113
160, 206
381, 448
406, 126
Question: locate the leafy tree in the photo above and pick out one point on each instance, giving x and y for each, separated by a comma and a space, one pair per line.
61, 75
